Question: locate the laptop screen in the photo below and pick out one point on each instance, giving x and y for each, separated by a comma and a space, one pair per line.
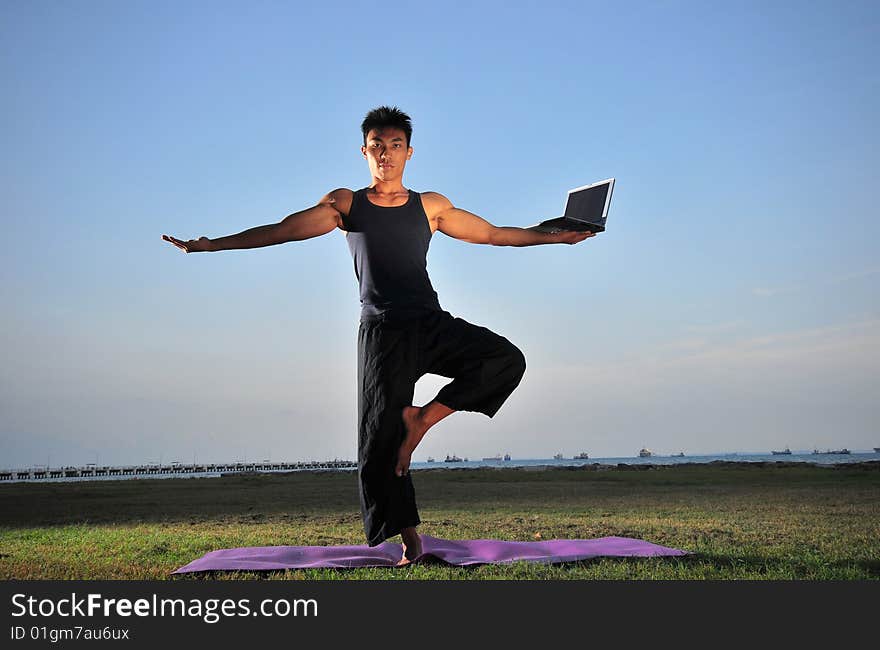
588, 204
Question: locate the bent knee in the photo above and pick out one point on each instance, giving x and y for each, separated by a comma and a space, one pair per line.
516, 362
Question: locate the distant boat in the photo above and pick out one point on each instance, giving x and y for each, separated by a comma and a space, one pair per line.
877, 450
506, 456
495, 457
645, 453
430, 459
452, 459
678, 455
830, 451
558, 457
582, 456
784, 452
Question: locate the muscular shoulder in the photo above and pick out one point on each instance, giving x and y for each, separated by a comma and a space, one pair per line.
434, 203
340, 200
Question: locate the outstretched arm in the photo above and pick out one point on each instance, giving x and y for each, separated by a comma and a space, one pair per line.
468, 227
312, 222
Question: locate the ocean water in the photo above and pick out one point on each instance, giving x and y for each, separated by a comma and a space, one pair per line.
803, 457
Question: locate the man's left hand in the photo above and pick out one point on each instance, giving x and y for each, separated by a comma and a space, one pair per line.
572, 237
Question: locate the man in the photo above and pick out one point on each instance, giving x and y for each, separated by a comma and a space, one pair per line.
403, 333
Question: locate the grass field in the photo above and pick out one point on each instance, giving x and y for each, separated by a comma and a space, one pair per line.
741, 521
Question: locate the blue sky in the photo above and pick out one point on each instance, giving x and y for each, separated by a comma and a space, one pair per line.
730, 306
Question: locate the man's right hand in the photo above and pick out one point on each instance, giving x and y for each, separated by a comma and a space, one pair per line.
200, 245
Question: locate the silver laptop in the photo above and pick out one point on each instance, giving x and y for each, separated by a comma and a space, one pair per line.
585, 209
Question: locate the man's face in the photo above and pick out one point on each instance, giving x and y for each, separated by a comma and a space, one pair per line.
387, 153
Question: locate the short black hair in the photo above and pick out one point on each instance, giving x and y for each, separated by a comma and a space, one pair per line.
385, 116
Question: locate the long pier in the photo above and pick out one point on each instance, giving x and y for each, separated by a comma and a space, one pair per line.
151, 469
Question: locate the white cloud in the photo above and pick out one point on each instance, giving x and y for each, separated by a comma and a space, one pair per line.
711, 328
805, 388
767, 292
854, 344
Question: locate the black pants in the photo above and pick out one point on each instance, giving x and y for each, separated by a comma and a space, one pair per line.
394, 351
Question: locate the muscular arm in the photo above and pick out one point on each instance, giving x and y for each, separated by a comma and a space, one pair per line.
468, 227
312, 222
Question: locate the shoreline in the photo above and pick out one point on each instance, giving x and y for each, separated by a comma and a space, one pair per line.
865, 465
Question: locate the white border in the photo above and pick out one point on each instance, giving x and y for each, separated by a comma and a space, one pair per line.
610, 182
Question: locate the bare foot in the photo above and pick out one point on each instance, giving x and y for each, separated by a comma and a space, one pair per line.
412, 546
414, 434
417, 420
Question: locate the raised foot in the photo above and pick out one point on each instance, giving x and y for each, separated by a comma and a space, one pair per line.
411, 440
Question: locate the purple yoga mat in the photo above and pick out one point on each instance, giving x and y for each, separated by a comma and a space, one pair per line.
458, 553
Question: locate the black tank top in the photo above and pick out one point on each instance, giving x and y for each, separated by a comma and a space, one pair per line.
389, 246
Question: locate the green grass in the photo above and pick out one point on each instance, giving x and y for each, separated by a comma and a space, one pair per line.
741, 521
